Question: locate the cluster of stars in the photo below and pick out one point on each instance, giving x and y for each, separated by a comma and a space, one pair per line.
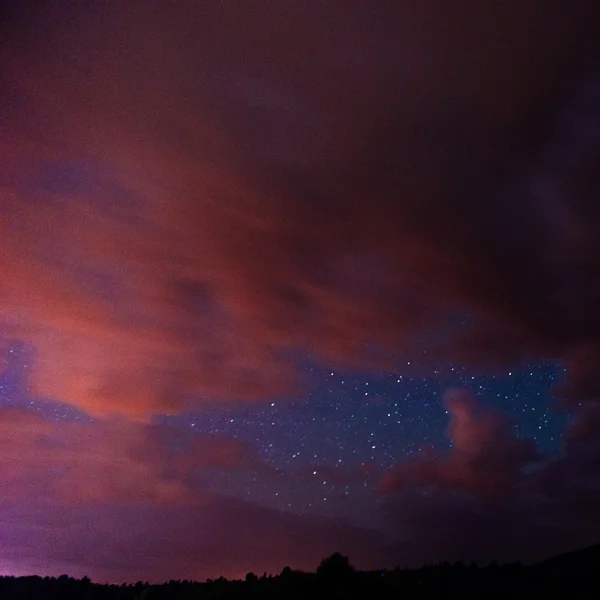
330, 446
357, 426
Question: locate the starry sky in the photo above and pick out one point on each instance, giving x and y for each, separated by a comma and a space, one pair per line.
284, 279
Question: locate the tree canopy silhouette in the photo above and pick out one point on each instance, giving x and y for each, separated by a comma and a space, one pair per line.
336, 565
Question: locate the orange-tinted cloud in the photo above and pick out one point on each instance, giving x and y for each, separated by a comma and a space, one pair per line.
188, 195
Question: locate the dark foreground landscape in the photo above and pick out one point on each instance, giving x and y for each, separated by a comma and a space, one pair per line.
573, 575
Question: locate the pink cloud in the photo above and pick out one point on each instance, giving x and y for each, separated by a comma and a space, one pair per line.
486, 456
108, 461
491, 496
122, 501
189, 195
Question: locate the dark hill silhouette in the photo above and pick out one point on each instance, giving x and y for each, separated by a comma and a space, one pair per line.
585, 560
571, 576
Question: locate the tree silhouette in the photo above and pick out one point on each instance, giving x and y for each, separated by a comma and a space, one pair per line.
337, 565
567, 576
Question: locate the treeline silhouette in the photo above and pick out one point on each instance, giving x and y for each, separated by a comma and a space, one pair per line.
571, 576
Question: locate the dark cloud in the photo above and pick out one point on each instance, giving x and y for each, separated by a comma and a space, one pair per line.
192, 194
215, 536
491, 496
189, 193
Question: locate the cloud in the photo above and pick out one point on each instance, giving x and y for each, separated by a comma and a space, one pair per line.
486, 456
189, 196
109, 461
491, 496
122, 501
220, 536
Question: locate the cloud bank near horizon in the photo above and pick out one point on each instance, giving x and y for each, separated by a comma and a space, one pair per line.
120, 501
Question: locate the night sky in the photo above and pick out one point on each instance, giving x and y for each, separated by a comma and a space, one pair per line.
284, 279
